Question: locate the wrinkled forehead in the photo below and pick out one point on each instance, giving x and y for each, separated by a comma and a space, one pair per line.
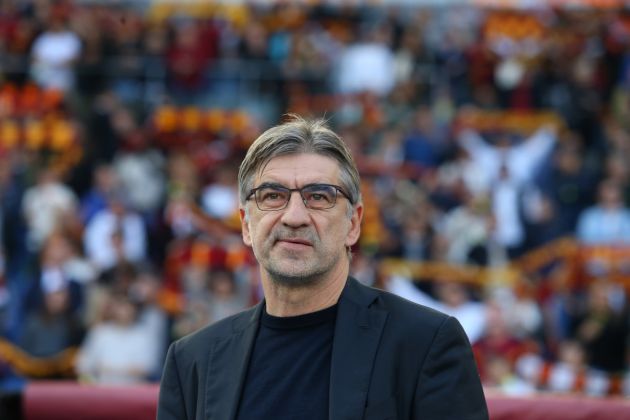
299, 169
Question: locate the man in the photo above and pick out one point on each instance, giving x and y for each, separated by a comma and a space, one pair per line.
320, 345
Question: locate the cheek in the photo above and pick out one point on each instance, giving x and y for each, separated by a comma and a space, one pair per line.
260, 229
333, 231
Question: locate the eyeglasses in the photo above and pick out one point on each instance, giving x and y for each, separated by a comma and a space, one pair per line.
314, 196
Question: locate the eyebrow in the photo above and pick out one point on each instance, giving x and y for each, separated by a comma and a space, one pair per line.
271, 184
277, 184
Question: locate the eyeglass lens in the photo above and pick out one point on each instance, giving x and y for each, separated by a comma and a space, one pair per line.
317, 197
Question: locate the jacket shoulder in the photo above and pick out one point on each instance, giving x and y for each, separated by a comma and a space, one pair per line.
222, 329
405, 314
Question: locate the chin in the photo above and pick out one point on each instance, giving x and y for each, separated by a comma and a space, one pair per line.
295, 278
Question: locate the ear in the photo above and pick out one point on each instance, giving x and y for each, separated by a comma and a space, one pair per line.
247, 239
355, 225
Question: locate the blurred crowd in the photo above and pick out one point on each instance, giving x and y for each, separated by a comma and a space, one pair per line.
483, 137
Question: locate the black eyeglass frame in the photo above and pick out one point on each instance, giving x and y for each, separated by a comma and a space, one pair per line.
336, 188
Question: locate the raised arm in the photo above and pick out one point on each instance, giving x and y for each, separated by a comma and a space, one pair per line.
538, 146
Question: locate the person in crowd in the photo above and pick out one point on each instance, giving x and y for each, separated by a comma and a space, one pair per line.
522, 158
188, 57
210, 297
48, 205
466, 229
53, 327
54, 54
607, 222
569, 185
119, 350
617, 169
105, 182
60, 266
115, 234
424, 145
453, 298
367, 64
220, 198
497, 342
603, 328
304, 350
139, 166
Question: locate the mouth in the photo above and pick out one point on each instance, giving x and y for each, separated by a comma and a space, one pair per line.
294, 242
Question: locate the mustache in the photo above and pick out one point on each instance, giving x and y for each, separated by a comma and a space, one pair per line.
281, 234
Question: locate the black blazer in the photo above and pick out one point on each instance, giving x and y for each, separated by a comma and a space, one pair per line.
391, 359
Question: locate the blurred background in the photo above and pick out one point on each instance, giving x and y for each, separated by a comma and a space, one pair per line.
493, 139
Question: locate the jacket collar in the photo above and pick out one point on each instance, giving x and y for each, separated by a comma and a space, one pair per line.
357, 334
228, 364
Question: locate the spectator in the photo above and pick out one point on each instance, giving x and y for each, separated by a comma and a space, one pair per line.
603, 329
509, 228
105, 183
367, 65
220, 198
139, 166
54, 54
53, 327
417, 236
227, 295
60, 266
608, 222
424, 146
115, 234
466, 230
144, 290
188, 59
618, 170
48, 205
453, 299
210, 297
568, 185
522, 159
119, 350
497, 342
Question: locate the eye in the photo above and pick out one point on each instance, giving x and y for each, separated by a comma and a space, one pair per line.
320, 194
271, 194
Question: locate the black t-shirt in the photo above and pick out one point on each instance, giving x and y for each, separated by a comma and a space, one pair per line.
289, 371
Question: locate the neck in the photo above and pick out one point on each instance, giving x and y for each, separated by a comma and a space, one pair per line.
283, 300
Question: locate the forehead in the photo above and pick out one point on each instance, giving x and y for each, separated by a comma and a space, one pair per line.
299, 169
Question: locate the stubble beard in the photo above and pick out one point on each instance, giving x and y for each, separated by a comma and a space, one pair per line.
301, 272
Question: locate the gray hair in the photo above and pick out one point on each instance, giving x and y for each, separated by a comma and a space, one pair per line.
299, 136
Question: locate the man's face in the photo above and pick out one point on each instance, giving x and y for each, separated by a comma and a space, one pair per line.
296, 245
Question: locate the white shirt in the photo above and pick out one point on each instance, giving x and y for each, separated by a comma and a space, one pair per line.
98, 243
111, 352
471, 315
509, 230
142, 176
600, 226
44, 206
366, 67
220, 201
522, 159
53, 53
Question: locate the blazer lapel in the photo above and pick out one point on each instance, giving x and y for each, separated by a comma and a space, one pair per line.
227, 367
357, 334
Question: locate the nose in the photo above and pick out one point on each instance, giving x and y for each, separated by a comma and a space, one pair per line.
295, 214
